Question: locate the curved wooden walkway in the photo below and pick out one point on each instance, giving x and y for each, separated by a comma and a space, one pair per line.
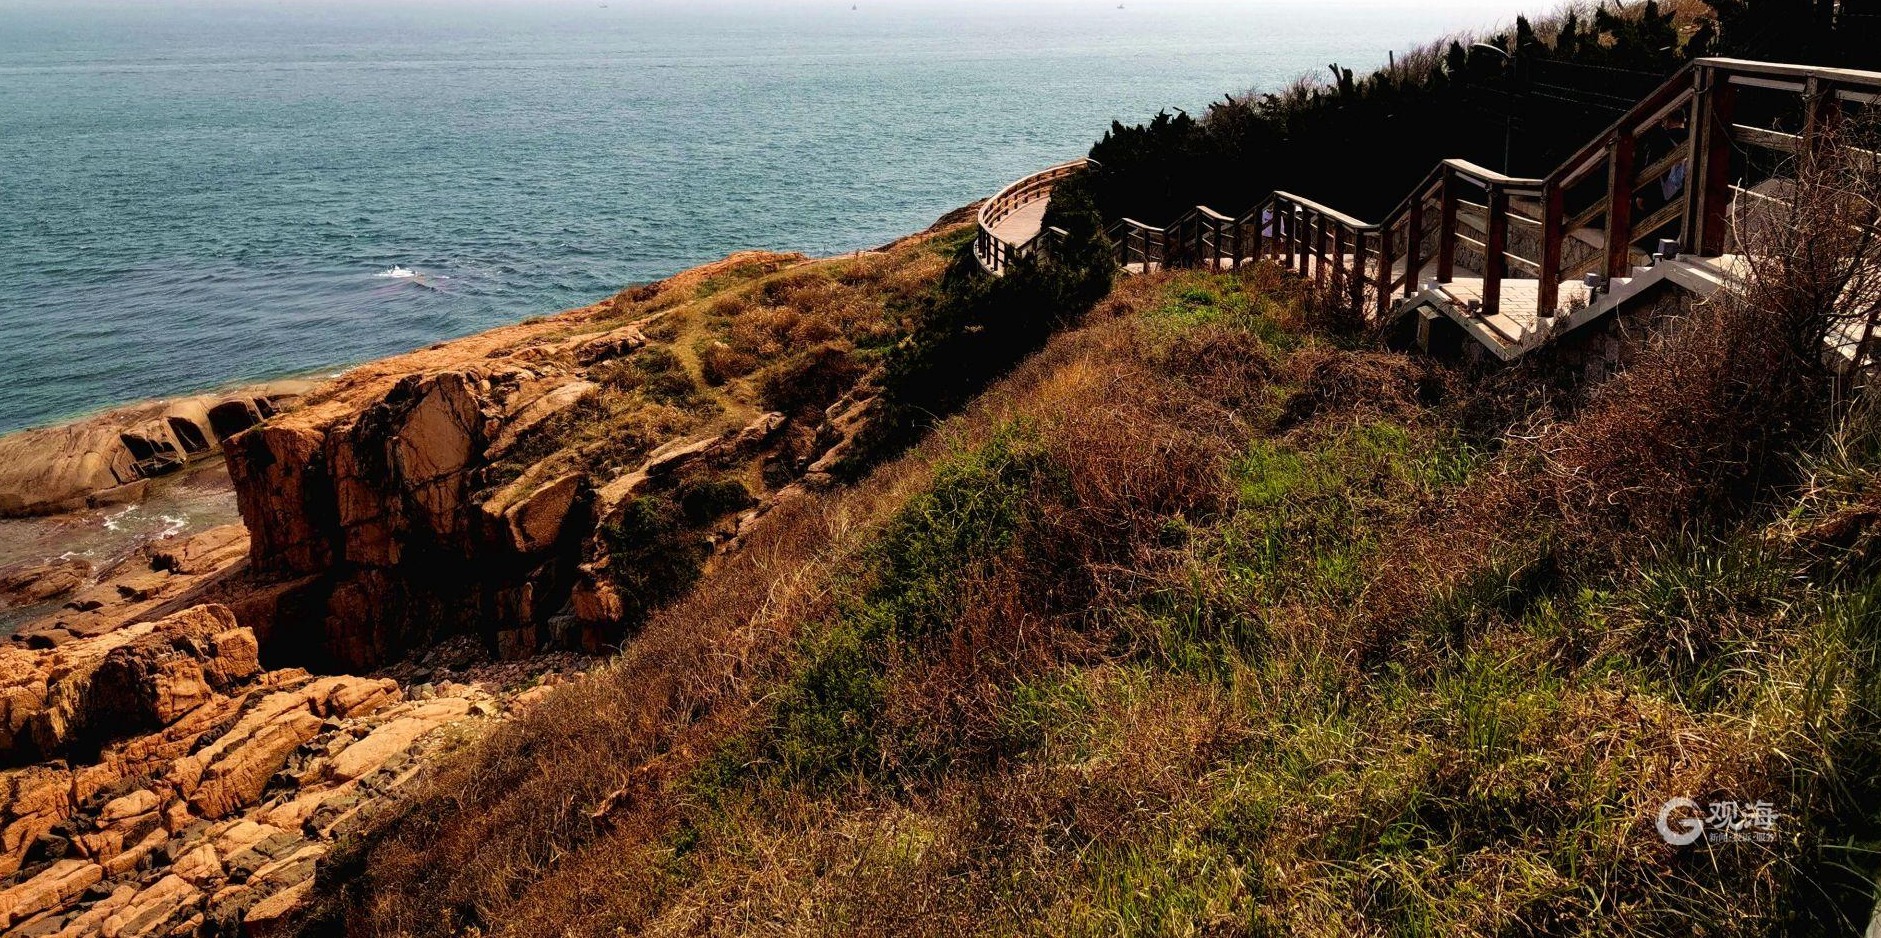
1515, 262
1012, 222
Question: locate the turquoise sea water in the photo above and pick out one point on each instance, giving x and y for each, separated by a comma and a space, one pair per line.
199, 193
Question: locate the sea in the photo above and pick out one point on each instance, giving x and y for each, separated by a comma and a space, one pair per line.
197, 193
200, 193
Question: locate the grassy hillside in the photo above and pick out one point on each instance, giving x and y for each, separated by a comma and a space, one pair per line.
1212, 616
1210, 619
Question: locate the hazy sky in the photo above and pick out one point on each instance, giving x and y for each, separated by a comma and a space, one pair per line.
1475, 9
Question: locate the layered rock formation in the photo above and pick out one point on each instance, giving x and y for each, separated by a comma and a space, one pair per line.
185, 738
175, 788
141, 586
472, 487
377, 519
109, 458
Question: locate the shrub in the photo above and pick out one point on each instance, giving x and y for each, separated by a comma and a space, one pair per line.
719, 363
973, 328
657, 373
653, 554
703, 501
810, 381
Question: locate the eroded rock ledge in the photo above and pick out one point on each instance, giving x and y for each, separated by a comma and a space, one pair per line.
507, 486
110, 458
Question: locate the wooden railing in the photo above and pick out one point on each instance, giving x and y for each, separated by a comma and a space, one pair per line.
1603, 212
996, 251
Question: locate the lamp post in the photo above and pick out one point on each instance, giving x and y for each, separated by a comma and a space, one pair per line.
1508, 114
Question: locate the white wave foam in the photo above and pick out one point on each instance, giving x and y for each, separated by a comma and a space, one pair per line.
397, 273
111, 520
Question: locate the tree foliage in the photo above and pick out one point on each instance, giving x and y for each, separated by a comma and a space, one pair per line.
1362, 142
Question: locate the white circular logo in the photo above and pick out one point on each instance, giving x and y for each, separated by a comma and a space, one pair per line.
1689, 828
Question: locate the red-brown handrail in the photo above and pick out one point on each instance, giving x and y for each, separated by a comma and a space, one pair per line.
995, 251
1335, 248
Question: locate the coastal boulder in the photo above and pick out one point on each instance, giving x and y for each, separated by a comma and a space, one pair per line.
190, 658
143, 676
285, 495
38, 583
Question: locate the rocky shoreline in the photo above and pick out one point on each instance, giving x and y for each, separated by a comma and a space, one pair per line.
429, 544
111, 458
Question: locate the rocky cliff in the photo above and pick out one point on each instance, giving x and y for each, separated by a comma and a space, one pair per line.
156, 779
546, 484
202, 722
165, 784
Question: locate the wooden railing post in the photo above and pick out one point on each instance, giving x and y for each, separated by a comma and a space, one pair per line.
1254, 252
1302, 233
1338, 256
1413, 247
1283, 229
1302, 228
1305, 245
1321, 235
1821, 110
1356, 280
1495, 250
1620, 204
1384, 269
1446, 232
1710, 181
1548, 286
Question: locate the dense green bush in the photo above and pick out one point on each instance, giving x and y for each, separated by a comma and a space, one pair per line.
654, 555
1361, 143
974, 328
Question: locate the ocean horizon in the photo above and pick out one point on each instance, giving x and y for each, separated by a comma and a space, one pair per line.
199, 194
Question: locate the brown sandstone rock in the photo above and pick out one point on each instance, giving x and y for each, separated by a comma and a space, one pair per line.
96, 461
157, 910
285, 494
56, 885
232, 772
188, 659
41, 582
392, 738
32, 800
615, 344
204, 552
138, 677
274, 915
534, 515
538, 411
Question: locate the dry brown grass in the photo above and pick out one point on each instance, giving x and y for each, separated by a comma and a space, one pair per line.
1703, 422
1234, 669
522, 806
549, 813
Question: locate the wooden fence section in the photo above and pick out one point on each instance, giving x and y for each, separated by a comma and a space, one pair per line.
1008, 230
1659, 181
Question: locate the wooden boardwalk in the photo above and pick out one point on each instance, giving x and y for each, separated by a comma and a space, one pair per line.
1023, 223
1514, 262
